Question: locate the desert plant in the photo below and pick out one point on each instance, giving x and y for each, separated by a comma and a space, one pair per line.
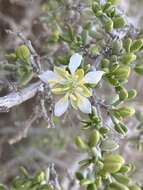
102, 50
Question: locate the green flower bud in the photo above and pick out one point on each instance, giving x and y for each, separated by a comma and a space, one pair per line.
114, 58
8, 67
55, 36
99, 165
122, 179
23, 52
125, 112
106, 70
122, 73
91, 187
105, 175
85, 162
98, 181
95, 152
94, 138
132, 94
115, 158
85, 182
18, 182
11, 57
105, 63
118, 186
2, 187
108, 25
24, 171
64, 37
114, 67
103, 130
128, 58
79, 176
111, 12
119, 22
125, 169
27, 184
113, 81
96, 9
24, 76
81, 143
123, 93
94, 50
84, 36
137, 44
40, 177
139, 69
106, 6
127, 44
132, 167
134, 187
121, 128
116, 47
113, 163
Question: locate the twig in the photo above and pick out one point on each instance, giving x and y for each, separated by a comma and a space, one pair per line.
45, 98
16, 98
54, 177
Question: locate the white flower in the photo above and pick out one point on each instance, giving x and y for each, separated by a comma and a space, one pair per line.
73, 85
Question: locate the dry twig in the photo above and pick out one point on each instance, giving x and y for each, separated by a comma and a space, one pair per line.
16, 98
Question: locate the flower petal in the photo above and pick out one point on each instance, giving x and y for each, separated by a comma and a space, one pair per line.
84, 104
75, 62
93, 77
48, 75
61, 106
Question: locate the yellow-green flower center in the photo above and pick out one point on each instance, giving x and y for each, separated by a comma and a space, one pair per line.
71, 84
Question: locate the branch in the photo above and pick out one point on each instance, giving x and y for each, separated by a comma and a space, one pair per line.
16, 98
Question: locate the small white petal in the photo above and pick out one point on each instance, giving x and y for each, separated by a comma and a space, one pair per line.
48, 75
84, 105
75, 62
93, 77
61, 106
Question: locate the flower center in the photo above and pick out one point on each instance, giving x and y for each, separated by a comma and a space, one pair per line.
73, 85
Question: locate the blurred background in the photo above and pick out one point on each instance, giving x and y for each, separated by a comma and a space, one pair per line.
40, 145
